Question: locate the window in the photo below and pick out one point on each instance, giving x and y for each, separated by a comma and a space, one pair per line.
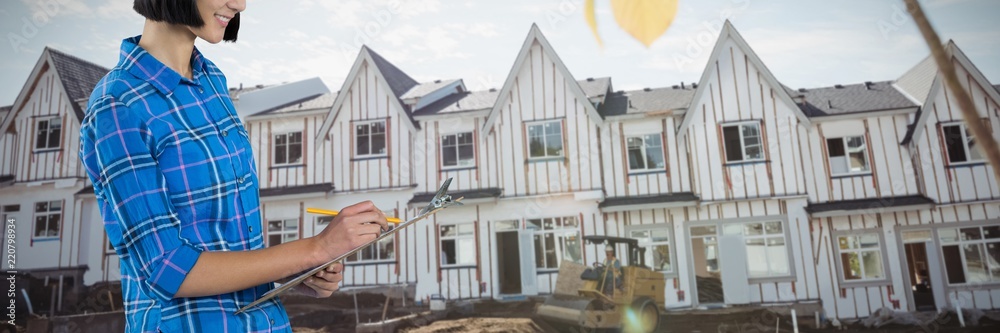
48, 133
384, 249
657, 245
860, 257
971, 254
767, 252
7, 209
645, 153
322, 222
556, 239
959, 144
282, 231
47, 217
742, 142
370, 139
545, 139
288, 148
458, 245
457, 150
848, 155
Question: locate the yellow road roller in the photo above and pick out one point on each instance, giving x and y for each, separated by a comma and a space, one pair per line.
627, 299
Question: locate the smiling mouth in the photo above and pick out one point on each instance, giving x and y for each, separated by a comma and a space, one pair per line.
224, 20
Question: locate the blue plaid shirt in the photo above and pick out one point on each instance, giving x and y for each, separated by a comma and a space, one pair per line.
174, 175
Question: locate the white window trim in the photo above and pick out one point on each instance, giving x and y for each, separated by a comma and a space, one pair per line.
555, 233
48, 121
283, 232
475, 151
847, 153
441, 240
354, 129
527, 136
963, 129
642, 137
48, 214
886, 278
743, 144
672, 242
765, 236
274, 146
961, 244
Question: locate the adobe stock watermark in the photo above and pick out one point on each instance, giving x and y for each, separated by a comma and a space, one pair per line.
30, 25
704, 39
10, 232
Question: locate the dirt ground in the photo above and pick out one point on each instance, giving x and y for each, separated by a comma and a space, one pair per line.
337, 314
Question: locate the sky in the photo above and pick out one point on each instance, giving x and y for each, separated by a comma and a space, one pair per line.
805, 43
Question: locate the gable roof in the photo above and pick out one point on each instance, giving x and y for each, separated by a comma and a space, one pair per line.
937, 82
852, 98
78, 78
535, 36
595, 87
640, 102
729, 32
422, 89
314, 102
467, 101
391, 77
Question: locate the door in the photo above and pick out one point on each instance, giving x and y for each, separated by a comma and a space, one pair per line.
509, 262
706, 266
526, 244
924, 271
734, 267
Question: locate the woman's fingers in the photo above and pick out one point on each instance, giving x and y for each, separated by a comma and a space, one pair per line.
361, 207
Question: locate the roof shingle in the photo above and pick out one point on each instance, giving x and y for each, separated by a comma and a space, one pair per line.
645, 101
853, 98
78, 76
595, 87
460, 102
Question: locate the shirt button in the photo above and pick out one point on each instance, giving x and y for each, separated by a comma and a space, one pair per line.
251, 228
272, 322
201, 90
225, 133
241, 179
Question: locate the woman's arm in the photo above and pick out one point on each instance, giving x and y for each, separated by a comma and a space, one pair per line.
354, 226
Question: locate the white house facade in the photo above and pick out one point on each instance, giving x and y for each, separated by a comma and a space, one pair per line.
741, 189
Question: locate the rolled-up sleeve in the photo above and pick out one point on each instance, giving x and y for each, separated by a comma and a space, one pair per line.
128, 178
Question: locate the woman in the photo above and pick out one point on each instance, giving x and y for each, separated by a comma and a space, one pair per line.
175, 178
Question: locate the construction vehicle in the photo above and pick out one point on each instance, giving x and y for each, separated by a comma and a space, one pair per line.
632, 304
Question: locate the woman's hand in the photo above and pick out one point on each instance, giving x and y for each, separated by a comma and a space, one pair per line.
356, 225
323, 283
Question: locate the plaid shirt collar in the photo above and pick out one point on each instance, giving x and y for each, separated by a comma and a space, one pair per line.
145, 67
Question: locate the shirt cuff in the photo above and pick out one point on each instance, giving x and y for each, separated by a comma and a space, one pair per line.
176, 264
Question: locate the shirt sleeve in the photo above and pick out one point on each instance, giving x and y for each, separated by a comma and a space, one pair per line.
126, 175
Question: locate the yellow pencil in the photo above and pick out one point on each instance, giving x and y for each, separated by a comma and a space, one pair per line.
334, 213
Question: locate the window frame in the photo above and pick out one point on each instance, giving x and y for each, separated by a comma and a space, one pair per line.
883, 256
357, 138
542, 123
981, 243
283, 231
671, 243
49, 121
456, 238
287, 144
48, 221
964, 131
558, 235
847, 154
743, 145
457, 147
790, 262
644, 150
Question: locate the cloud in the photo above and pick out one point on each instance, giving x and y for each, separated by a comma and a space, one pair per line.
55, 8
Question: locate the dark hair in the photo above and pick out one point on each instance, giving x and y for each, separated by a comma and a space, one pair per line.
181, 12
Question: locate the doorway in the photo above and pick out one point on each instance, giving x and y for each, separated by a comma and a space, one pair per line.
705, 258
508, 249
920, 277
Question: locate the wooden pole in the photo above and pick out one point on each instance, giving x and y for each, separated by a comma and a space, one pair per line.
986, 142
